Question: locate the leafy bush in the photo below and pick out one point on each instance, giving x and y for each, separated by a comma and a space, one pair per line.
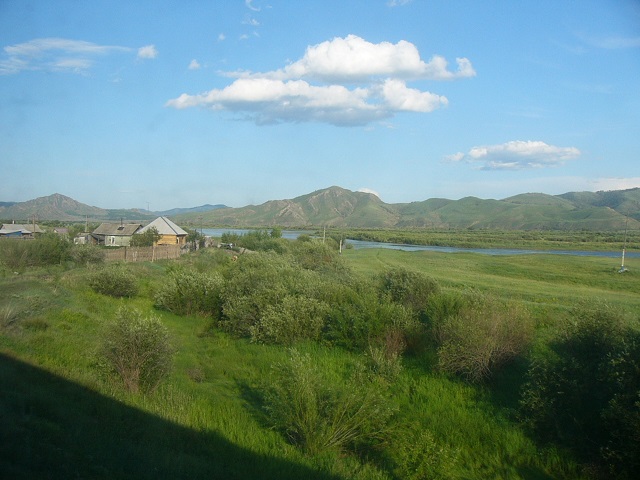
483, 336
145, 239
46, 249
115, 281
318, 415
419, 456
411, 289
254, 283
585, 392
137, 349
357, 316
188, 292
295, 318
314, 255
86, 254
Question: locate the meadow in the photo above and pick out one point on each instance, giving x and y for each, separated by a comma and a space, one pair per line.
218, 414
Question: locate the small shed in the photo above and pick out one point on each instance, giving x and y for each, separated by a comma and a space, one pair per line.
115, 234
170, 233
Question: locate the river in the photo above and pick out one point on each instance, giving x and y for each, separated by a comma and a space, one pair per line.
357, 244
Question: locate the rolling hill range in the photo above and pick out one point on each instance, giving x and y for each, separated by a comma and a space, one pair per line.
338, 207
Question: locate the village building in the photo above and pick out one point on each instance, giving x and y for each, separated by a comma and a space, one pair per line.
18, 230
115, 234
170, 233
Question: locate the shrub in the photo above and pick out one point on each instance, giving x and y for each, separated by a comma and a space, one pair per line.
189, 292
319, 415
484, 335
411, 289
254, 283
46, 249
146, 239
585, 392
137, 349
295, 318
418, 456
114, 281
86, 254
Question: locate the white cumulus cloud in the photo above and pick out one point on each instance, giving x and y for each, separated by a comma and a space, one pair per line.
194, 65
516, 155
147, 52
345, 81
353, 59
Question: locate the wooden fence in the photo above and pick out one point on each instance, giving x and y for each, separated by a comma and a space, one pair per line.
144, 254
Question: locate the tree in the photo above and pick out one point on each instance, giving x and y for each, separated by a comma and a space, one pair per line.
146, 239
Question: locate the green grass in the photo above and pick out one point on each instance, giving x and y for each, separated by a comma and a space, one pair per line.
543, 281
62, 417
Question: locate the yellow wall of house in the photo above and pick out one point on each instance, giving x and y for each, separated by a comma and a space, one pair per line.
171, 240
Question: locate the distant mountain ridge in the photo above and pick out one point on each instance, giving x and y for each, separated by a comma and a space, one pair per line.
339, 207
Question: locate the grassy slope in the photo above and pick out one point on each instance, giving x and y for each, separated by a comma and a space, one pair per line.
62, 418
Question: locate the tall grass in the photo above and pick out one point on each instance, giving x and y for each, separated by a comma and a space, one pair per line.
208, 418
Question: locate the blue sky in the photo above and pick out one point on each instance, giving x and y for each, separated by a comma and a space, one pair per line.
166, 104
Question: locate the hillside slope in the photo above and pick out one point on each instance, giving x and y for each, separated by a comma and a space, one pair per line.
338, 207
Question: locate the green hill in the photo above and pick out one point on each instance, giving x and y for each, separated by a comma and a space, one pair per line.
338, 207
61, 207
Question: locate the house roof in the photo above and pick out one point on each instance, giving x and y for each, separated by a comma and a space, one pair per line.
118, 229
165, 227
18, 227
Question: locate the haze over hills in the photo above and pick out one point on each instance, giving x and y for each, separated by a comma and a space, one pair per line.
63, 208
338, 207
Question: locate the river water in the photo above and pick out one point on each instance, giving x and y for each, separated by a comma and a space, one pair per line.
357, 244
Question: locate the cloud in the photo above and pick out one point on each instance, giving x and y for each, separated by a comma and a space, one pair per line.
61, 55
353, 59
516, 155
249, 4
368, 190
194, 65
268, 101
615, 183
398, 3
147, 52
221, 37
54, 54
345, 81
612, 43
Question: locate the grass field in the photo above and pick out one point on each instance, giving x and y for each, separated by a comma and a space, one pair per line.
62, 417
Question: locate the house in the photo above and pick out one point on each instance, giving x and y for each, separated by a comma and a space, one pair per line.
115, 234
170, 233
19, 230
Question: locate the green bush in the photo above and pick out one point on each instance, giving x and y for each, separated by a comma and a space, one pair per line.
146, 239
585, 392
189, 292
46, 249
418, 456
411, 289
115, 281
254, 283
87, 254
295, 318
320, 415
137, 350
481, 337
